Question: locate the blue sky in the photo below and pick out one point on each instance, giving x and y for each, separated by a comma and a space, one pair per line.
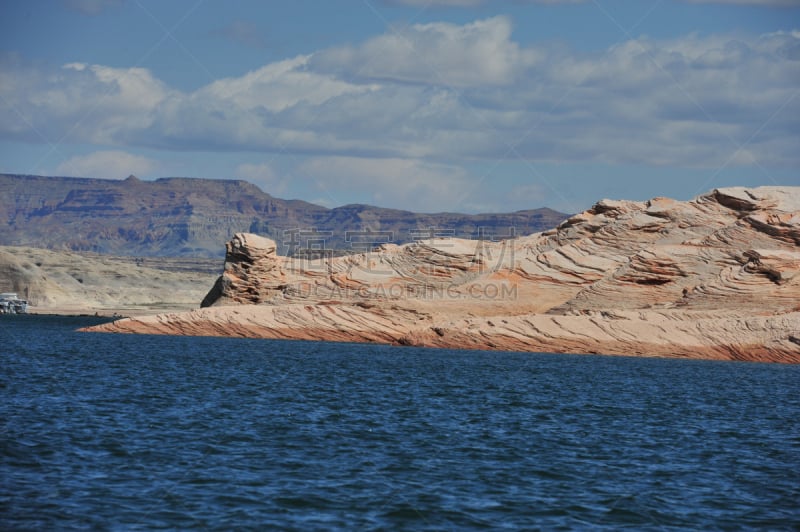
426, 105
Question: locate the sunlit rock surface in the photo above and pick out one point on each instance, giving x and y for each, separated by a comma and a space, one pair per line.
715, 277
67, 282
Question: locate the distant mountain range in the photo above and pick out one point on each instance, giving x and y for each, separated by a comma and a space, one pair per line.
195, 217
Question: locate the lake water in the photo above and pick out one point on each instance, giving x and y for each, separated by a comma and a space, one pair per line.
118, 431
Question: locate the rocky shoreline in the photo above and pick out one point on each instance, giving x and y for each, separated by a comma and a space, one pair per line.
73, 283
711, 278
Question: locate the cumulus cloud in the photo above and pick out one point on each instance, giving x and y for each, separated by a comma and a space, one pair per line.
91, 103
689, 101
109, 164
476, 54
279, 85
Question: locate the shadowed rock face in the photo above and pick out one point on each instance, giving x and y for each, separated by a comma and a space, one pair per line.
716, 277
250, 261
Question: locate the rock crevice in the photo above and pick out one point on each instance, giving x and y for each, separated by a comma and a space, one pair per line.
715, 277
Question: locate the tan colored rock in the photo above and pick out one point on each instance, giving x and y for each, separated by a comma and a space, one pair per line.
715, 277
72, 282
250, 274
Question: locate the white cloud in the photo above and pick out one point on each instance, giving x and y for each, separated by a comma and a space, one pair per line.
688, 101
109, 164
277, 86
476, 54
88, 103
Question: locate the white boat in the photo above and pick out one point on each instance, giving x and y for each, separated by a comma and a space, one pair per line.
11, 304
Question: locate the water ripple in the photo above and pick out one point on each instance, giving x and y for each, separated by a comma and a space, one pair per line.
105, 431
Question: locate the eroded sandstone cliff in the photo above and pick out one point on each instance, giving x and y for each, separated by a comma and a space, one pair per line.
715, 277
70, 282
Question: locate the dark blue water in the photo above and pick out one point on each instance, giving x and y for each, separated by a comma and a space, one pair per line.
116, 431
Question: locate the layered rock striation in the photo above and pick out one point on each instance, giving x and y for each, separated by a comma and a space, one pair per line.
191, 217
716, 277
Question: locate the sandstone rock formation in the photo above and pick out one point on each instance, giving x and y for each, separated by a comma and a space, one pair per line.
715, 277
70, 283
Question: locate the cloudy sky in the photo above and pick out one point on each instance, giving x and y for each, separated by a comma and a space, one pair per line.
427, 105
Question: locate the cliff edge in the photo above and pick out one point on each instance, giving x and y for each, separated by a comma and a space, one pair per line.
715, 277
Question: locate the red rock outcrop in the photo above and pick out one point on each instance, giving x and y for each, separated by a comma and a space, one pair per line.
715, 277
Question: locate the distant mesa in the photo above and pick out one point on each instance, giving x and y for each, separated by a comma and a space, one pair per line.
193, 217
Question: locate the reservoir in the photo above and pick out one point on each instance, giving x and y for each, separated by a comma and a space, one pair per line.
126, 431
